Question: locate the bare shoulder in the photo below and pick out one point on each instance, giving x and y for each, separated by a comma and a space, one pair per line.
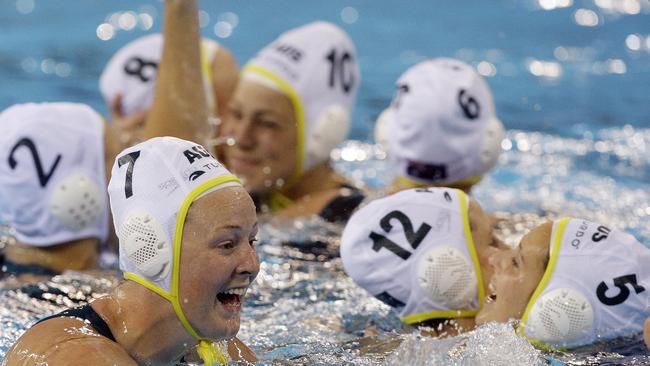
66, 341
239, 351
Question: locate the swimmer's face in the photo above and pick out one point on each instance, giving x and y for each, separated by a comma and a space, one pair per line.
517, 273
263, 123
485, 243
218, 261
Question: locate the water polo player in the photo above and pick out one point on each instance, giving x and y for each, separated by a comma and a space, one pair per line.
186, 229
53, 186
425, 252
291, 107
571, 282
441, 128
128, 82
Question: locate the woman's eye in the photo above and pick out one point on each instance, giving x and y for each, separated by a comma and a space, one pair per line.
226, 245
252, 241
272, 125
235, 114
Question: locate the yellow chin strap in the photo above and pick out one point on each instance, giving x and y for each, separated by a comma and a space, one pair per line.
410, 183
208, 350
278, 200
555, 244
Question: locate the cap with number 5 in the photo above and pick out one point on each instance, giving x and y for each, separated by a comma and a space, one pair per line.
596, 286
52, 184
414, 251
441, 127
316, 66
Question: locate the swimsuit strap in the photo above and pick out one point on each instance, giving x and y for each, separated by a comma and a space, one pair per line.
88, 315
340, 208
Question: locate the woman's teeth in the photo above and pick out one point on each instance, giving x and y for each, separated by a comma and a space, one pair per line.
236, 291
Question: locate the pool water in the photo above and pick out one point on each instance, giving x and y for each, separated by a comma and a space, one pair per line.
570, 80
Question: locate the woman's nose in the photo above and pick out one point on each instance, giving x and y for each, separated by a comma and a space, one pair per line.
249, 264
243, 133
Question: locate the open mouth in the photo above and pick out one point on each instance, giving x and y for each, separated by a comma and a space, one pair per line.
231, 299
492, 296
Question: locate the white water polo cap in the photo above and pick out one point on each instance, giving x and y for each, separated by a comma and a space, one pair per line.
414, 251
441, 127
133, 70
316, 66
596, 286
52, 173
152, 186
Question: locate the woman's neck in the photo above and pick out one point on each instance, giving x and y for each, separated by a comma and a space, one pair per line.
144, 324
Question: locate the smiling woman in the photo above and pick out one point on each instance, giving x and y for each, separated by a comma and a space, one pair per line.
186, 229
572, 283
290, 108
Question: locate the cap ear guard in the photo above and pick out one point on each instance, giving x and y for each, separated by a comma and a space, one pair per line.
446, 276
146, 245
381, 129
491, 145
330, 129
560, 317
76, 202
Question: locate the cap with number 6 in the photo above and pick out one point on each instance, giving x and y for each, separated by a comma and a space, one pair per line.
52, 184
441, 127
414, 251
316, 66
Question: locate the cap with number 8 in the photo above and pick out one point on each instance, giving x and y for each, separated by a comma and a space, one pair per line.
441, 127
414, 250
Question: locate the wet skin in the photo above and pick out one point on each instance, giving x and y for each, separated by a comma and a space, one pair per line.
263, 123
218, 255
517, 273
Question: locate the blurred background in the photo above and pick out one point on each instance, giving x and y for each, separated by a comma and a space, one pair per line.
562, 66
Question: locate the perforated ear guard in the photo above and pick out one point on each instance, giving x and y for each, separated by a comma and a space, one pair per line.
491, 145
330, 129
381, 129
146, 245
560, 317
447, 276
76, 202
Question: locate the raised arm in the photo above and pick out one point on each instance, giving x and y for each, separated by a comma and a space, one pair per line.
179, 108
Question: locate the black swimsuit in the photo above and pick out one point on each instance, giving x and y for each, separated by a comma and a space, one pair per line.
88, 315
9, 268
340, 208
